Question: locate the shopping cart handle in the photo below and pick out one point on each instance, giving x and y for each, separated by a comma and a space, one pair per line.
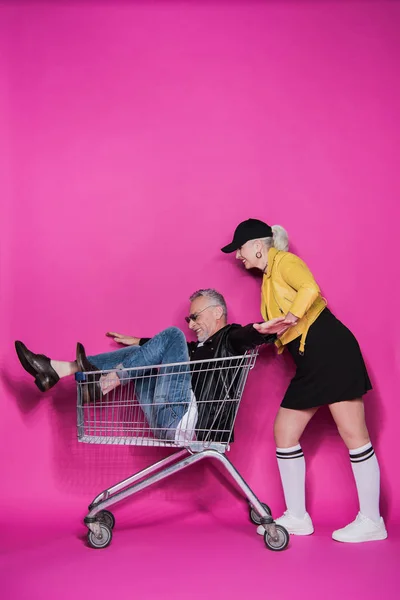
80, 376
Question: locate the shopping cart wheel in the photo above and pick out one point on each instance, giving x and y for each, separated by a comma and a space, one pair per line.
255, 517
280, 543
105, 516
105, 537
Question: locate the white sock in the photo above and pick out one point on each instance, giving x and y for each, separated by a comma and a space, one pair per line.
64, 368
186, 428
367, 475
292, 468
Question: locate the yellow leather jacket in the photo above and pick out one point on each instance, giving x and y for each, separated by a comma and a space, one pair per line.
288, 286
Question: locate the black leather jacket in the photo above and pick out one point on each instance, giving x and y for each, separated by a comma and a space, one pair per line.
211, 385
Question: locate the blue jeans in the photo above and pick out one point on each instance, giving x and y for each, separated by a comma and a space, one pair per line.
164, 398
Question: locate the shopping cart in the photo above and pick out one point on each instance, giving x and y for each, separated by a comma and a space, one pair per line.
191, 406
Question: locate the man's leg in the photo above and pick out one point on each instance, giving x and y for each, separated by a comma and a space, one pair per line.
169, 346
45, 371
167, 398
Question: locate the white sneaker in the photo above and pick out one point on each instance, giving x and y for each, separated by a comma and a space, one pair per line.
292, 524
362, 529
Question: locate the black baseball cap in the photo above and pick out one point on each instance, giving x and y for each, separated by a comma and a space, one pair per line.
252, 229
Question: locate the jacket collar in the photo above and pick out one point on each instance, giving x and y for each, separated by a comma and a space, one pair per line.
272, 252
216, 334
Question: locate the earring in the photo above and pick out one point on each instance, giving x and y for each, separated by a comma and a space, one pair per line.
258, 255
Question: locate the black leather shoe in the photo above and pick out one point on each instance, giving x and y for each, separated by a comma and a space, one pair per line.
91, 390
37, 365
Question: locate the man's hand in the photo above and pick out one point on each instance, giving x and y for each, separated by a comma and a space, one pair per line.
120, 338
109, 382
272, 326
279, 325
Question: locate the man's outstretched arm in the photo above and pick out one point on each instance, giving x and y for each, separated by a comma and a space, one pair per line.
129, 340
244, 338
126, 340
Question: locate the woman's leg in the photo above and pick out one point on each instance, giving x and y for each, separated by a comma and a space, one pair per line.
290, 424
350, 420
288, 428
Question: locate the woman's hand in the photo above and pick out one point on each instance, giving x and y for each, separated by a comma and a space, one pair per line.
289, 321
279, 325
272, 326
120, 338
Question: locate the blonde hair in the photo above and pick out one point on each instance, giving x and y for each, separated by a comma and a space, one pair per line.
280, 239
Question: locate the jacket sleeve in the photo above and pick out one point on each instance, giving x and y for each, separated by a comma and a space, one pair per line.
296, 274
241, 339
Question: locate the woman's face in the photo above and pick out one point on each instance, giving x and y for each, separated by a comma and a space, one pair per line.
247, 254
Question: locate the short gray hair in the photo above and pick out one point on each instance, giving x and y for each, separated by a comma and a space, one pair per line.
214, 296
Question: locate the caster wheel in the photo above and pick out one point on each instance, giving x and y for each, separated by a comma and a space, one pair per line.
280, 543
104, 540
255, 517
106, 517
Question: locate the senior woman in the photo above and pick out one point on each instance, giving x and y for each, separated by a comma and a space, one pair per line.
330, 370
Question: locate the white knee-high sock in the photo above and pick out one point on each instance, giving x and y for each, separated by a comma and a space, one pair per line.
367, 475
292, 468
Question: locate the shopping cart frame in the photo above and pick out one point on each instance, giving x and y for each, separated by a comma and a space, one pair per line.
99, 520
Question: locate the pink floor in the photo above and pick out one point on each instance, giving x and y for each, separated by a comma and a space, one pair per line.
190, 558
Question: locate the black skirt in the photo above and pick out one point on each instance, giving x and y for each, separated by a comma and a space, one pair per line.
332, 368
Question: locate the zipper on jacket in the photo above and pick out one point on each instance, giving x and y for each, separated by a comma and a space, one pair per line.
273, 293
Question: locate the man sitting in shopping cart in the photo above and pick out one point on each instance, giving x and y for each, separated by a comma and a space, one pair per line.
169, 395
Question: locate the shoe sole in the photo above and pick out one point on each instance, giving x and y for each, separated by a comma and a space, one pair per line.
301, 532
20, 349
292, 532
89, 394
81, 350
43, 383
370, 539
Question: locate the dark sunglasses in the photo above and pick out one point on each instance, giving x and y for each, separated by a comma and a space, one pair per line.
195, 316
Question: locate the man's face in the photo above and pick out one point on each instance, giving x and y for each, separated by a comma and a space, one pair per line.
207, 318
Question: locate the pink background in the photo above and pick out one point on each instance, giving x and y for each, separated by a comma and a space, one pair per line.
135, 136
